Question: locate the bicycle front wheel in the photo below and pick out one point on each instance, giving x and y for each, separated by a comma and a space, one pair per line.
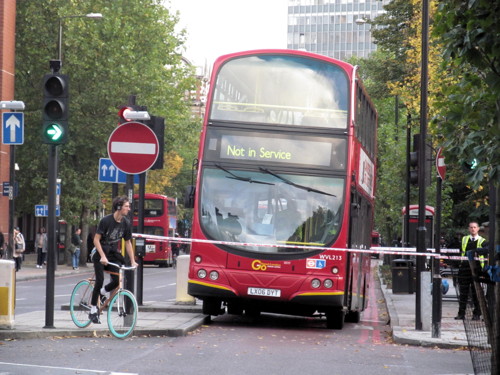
122, 314
79, 303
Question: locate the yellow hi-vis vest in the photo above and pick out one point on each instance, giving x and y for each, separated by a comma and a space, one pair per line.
480, 241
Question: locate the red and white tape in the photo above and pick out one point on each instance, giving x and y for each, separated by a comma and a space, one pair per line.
374, 250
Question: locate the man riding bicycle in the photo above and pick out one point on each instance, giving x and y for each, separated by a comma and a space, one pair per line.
112, 228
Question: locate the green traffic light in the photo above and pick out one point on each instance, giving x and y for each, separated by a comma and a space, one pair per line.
54, 132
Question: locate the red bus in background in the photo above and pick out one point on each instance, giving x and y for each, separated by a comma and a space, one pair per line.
160, 219
286, 180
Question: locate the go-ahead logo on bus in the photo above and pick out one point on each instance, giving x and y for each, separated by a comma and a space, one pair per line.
315, 263
259, 265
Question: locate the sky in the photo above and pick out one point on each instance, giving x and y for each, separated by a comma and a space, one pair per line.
217, 27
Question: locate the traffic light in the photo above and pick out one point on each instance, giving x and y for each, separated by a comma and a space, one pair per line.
55, 109
415, 160
157, 124
128, 113
413, 172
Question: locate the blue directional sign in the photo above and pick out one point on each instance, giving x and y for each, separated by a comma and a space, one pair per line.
43, 210
13, 128
108, 172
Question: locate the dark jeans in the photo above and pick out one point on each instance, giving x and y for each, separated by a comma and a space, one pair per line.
19, 262
99, 274
466, 288
40, 256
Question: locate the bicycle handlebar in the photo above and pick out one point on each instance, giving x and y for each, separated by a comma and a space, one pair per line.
126, 268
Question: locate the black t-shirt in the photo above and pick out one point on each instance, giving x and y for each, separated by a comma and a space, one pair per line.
112, 232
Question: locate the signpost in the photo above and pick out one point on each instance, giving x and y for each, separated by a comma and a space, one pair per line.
13, 128
108, 172
133, 147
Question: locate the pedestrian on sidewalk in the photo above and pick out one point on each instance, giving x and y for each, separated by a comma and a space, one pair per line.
76, 243
472, 241
19, 247
41, 247
2, 244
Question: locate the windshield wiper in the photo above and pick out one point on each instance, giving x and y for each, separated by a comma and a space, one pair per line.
239, 178
307, 188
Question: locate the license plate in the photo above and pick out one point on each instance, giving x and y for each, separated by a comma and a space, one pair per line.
264, 292
150, 248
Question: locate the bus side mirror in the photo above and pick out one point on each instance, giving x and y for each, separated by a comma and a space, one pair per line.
189, 196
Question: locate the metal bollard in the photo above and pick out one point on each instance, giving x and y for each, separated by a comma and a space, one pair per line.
181, 295
7, 293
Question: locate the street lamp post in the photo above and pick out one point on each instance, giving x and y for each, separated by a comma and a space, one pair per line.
52, 185
89, 15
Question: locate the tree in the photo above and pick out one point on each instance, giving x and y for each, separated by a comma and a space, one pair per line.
134, 49
470, 110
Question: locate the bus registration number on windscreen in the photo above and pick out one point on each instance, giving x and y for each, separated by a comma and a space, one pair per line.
264, 292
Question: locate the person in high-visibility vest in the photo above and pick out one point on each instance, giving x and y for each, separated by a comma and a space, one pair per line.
470, 242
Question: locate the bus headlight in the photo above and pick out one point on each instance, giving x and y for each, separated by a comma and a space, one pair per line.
335, 270
328, 283
214, 275
315, 283
202, 273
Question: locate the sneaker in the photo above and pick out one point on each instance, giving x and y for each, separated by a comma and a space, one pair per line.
94, 318
460, 317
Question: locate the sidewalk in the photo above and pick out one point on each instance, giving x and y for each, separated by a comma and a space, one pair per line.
169, 319
401, 309
160, 319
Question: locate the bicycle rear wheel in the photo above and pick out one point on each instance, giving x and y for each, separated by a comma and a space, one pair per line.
79, 303
122, 314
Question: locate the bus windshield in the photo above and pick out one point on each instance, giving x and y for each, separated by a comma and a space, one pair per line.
279, 89
269, 207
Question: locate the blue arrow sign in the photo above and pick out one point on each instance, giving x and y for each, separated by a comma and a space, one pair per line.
43, 210
108, 172
12, 128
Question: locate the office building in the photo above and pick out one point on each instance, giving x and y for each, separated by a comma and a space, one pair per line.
335, 28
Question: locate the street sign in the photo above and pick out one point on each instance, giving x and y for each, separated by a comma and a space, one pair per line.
133, 147
440, 165
13, 128
5, 188
108, 172
43, 210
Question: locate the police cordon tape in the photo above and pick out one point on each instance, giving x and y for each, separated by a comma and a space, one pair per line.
374, 250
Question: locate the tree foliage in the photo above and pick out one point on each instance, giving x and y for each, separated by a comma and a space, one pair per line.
133, 49
469, 115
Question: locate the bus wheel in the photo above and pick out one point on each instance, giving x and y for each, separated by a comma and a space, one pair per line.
212, 306
353, 317
335, 319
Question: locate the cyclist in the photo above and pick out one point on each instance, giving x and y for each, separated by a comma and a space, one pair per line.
112, 228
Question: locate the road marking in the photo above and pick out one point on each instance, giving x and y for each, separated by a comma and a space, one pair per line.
76, 370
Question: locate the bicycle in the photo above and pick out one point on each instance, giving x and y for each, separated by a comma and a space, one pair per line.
121, 305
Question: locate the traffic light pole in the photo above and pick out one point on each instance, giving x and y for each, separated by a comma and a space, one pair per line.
421, 247
51, 238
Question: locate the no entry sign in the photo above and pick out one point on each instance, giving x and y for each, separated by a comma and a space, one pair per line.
133, 147
440, 165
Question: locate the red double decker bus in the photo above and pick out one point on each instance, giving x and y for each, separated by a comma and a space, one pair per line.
286, 180
160, 219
